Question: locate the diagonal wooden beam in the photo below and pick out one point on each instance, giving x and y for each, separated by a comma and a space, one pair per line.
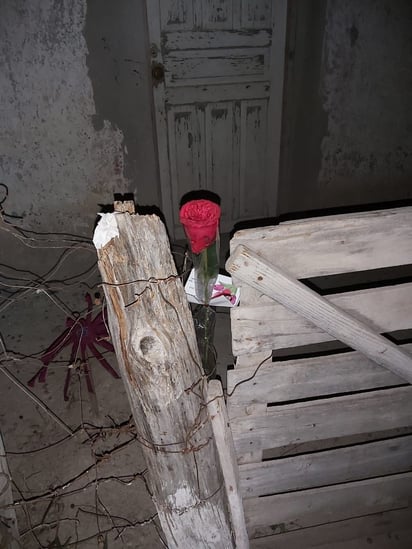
278, 284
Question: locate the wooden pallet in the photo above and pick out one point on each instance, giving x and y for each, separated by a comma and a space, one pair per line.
322, 436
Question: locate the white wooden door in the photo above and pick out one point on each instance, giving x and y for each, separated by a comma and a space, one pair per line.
217, 70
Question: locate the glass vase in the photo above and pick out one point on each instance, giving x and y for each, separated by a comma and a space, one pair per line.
206, 269
204, 318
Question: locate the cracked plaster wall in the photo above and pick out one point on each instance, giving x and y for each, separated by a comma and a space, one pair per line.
75, 107
348, 121
75, 110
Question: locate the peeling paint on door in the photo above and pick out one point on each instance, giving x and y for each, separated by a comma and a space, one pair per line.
219, 59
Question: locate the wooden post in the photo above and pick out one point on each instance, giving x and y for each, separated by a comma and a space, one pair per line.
153, 335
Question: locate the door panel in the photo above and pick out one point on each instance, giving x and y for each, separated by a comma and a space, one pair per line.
201, 40
175, 14
186, 149
252, 153
256, 13
220, 153
213, 104
201, 67
215, 14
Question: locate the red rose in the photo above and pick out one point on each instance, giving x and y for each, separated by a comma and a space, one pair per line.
200, 219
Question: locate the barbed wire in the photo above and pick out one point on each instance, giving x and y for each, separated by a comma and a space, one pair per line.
20, 283
17, 284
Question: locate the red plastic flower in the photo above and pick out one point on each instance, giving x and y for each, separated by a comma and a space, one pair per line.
200, 219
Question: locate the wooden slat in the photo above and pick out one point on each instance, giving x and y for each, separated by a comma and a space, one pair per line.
343, 416
281, 286
310, 248
305, 378
285, 512
227, 458
253, 359
317, 469
335, 244
210, 93
389, 530
216, 39
273, 326
210, 67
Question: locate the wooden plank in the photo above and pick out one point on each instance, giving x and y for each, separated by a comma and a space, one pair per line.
210, 67
334, 244
291, 511
389, 530
296, 424
399, 540
273, 326
282, 287
253, 359
9, 534
225, 448
304, 378
317, 469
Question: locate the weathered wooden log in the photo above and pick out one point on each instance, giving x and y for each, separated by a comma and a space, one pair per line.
153, 335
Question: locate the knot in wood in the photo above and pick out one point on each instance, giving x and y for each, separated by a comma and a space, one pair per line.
147, 343
151, 348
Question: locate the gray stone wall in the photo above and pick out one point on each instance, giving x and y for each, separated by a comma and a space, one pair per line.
75, 110
348, 116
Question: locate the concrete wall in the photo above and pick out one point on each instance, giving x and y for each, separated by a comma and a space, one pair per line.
348, 117
75, 110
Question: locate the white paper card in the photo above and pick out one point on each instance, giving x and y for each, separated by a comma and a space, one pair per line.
106, 230
224, 293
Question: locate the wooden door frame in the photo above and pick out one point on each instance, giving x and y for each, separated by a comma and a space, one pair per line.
275, 108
